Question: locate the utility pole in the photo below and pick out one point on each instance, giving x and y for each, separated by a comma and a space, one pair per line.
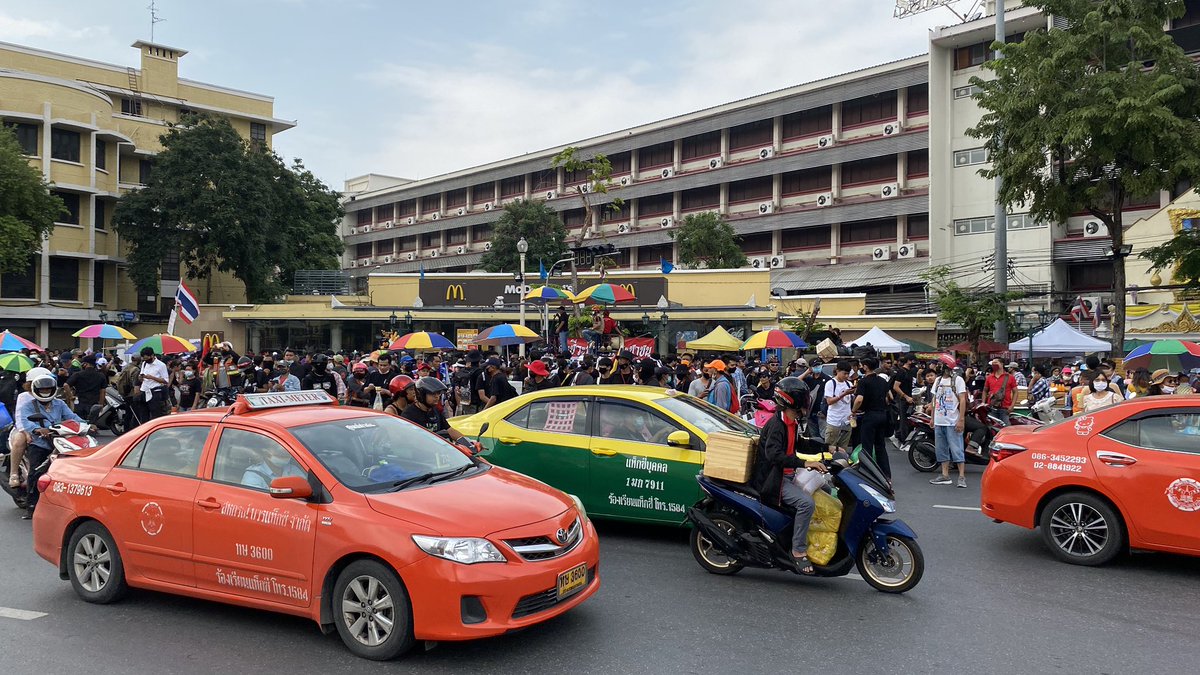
1001, 332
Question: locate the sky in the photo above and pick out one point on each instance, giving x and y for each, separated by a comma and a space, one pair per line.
417, 89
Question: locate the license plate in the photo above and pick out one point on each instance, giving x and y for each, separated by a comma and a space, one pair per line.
572, 580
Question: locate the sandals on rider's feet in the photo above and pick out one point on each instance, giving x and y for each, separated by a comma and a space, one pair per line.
802, 562
14, 481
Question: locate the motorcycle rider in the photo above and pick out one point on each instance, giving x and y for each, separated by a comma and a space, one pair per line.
425, 412
18, 440
777, 459
404, 394
43, 399
321, 376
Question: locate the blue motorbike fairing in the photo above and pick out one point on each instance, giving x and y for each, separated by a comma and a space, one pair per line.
883, 527
762, 516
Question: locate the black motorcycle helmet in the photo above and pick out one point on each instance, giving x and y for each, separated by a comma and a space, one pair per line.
245, 364
791, 392
430, 385
319, 362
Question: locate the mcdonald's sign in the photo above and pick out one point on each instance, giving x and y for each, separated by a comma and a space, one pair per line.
455, 292
629, 288
471, 291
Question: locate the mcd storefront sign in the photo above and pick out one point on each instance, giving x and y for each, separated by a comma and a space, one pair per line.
483, 291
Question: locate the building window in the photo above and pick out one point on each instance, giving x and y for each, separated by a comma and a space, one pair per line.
431, 204
98, 283
610, 213
258, 132
819, 179
456, 198
1016, 221
71, 201
809, 237
385, 246
544, 181
702, 145
869, 109
431, 240
757, 243
145, 168
383, 213
64, 279
701, 198
131, 106
621, 163
64, 144
1089, 278
27, 137
971, 157
651, 255
967, 92
576, 176
653, 156
484, 192
918, 163
808, 122
99, 220
457, 236
20, 285
656, 205
978, 54
918, 99
482, 232
918, 226
752, 135
754, 189
363, 217
406, 208
362, 250
101, 155
869, 230
870, 170
512, 187
1191, 16
405, 244
573, 218
169, 267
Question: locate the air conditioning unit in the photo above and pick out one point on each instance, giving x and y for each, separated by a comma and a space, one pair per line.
354, 230
586, 187
488, 206
766, 153
410, 256
666, 222
435, 215
1094, 304
551, 194
881, 253
626, 181
825, 141
434, 253
354, 263
766, 207
364, 228
462, 211
716, 163
387, 225
1095, 228
825, 199
778, 261
667, 173
487, 246
461, 250
623, 228
758, 262
892, 129
890, 190
387, 259
906, 251
412, 220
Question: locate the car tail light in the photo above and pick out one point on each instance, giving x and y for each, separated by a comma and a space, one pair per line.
43, 483
1002, 451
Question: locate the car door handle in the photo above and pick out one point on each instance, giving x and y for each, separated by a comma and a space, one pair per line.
604, 452
509, 440
208, 503
115, 488
1115, 459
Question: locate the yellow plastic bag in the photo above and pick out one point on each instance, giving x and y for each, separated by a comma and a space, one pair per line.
823, 529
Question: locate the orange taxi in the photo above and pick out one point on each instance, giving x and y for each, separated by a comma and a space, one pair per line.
1124, 477
361, 521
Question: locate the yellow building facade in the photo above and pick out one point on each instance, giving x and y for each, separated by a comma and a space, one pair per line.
93, 130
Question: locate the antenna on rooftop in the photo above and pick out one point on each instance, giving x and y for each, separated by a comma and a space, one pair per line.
907, 8
154, 18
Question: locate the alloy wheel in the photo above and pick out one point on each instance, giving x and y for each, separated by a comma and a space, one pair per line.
93, 563
1078, 529
368, 610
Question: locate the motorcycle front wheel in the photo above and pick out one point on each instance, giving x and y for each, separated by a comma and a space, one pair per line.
707, 554
922, 456
896, 570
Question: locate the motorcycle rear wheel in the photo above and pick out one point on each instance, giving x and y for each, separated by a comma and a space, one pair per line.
922, 456
117, 425
707, 554
899, 572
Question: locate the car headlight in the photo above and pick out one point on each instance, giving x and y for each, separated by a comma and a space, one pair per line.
465, 550
888, 505
578, 506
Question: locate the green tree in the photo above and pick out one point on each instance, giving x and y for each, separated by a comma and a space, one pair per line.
229, 205
1179, 257
27, 209
1087, 118
598, 170
976, 312
708, 240
542, 228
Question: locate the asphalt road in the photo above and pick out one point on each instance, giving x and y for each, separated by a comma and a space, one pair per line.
992, 600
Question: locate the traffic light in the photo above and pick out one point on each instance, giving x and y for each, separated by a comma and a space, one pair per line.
585, 256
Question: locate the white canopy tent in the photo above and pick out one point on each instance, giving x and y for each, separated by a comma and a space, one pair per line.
1060, 339
881, 341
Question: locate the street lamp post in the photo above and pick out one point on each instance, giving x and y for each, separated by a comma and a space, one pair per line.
408, 321
522, 249
391, 326
663, 346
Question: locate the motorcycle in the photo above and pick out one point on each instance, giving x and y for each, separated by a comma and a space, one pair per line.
115, 415
1045, 411
66, 437
220, 398
921, 451
733, 529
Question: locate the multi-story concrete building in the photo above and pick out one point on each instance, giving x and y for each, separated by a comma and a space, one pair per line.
93, 129
826, 182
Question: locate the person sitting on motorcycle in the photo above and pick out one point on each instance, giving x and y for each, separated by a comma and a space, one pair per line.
426, 411
43, 399
777, 459
18, 440
404, 394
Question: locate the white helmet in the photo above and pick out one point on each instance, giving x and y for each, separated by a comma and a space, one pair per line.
43, 387
34, 373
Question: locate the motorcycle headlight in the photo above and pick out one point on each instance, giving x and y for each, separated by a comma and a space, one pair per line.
888, 505
465, 550
579, 506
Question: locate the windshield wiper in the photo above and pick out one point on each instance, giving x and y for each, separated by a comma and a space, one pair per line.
401, 484
447, 475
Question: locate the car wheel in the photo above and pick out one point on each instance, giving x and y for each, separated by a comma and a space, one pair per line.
94, 565
707, 554
372, 609
922, 456
1082, 529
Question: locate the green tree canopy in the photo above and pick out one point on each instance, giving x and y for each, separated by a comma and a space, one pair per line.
598, 170
975, 311
542, 228
1084, 119
708, 240
226, 204
27, 209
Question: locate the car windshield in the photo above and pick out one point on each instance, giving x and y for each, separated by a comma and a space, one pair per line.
705, 416
381, 452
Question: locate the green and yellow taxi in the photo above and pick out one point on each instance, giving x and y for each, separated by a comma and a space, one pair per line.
628, 452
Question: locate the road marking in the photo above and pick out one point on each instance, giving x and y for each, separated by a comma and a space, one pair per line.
852, 575
957, 508
19, 614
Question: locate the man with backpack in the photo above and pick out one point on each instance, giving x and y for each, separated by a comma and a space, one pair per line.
999, 390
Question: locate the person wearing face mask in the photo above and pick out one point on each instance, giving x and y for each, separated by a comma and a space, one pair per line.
295, 365
321, 376
999, 390
283, 379
153, 388
1101, 394
276, 463
189, 387
1161, 383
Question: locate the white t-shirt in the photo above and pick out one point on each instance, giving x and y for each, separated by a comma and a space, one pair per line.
156, 368
838, 414
945, 400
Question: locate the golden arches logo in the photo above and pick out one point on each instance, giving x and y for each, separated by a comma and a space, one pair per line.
628, 287
455, 292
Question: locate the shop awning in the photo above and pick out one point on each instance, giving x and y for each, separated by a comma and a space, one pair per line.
848, 276
719, 340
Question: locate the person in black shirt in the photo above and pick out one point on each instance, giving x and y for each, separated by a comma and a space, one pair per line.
562, 326
425, 411
872, 401
378, 379
320, 376
87, 384
539, 377
189, 387
499, 389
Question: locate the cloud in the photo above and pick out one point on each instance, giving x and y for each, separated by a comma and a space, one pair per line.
17, 29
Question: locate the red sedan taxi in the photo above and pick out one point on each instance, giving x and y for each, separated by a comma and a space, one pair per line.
363, 522
1124, 477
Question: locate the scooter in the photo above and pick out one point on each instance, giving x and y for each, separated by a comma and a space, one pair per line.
66, 437
733, 529
1044, 411
115, 415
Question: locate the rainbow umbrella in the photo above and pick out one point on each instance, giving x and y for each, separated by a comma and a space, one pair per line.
162, 343
11, 342
506, 334
421, 340
1174, 355
15, 362
605, 294
549, 294
104, 331
774, 339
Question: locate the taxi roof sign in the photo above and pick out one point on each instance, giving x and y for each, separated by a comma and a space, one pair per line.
287, 399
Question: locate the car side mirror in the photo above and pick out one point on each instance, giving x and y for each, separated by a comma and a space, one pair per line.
290, 487
679, 439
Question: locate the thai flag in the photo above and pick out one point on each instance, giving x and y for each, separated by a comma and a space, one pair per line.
189, 309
